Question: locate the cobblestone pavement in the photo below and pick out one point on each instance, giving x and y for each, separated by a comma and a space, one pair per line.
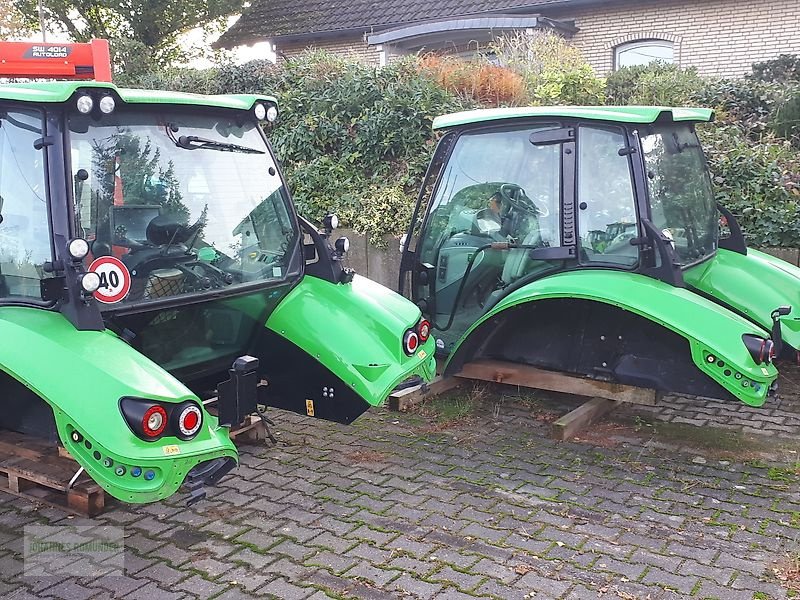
408, 506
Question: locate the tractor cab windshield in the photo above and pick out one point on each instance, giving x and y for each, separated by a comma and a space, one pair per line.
681, 198
187, 202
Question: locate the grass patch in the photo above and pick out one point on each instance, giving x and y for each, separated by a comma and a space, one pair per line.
455, 406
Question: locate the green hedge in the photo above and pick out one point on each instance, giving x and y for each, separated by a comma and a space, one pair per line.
356, 139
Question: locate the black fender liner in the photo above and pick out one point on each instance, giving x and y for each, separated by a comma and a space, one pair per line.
590, 338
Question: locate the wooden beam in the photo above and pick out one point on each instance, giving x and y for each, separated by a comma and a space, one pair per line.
528, 376
404, 399
587, 413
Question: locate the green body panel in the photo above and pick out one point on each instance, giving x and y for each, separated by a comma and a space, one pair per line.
754, 285
708, 329
616, 114
87, 372
61, 91
355, 330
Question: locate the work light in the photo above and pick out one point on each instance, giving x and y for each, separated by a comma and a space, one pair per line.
107, 105
89, 282
78, 248
84, 104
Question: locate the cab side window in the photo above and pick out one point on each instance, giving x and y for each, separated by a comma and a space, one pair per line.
24, 230
605, 188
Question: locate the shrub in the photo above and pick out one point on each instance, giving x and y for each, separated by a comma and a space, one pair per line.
759, 181
786, 121
782, 69
554, 71
658, 84
477, 80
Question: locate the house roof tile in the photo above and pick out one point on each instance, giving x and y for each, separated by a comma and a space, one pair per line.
270, 19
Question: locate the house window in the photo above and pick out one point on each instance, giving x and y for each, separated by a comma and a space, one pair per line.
642, 53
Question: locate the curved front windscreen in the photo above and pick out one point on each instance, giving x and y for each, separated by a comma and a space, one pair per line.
187, 203
681, 198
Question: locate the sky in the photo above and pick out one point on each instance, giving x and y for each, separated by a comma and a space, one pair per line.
192, 39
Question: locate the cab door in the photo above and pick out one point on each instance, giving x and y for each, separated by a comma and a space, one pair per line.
501, 212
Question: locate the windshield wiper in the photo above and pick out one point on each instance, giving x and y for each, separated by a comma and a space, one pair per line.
192, 142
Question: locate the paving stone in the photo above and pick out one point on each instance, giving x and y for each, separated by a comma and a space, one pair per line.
407, 584
333, 562
464, 581
200, 587
533, 582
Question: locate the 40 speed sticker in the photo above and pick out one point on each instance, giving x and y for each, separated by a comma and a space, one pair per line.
115, 279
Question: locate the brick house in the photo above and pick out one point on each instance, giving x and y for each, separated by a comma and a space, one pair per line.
718, 37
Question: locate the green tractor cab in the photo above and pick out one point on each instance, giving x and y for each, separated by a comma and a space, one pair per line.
587, 240
148, 242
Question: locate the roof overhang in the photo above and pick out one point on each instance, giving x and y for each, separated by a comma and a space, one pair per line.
431, 32
618, 114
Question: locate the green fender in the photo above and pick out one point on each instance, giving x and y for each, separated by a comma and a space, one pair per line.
709, 328
82, 375
355, 330
754, 285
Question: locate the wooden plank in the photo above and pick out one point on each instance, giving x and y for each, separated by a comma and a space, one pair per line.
252, 430
528, 376
33, 469
587, 413
404, 399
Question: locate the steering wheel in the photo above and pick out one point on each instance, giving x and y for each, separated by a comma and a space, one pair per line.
517, 198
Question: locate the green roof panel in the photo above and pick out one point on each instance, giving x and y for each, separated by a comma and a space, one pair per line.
61, 91
620, 114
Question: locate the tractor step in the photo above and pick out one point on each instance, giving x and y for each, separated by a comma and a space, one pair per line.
36, 470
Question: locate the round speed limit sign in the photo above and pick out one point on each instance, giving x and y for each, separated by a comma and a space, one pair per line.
115, 279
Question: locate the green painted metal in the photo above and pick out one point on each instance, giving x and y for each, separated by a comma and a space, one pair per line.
82, 375
61, 91
617, 114
708, 329
753, 285
355, 330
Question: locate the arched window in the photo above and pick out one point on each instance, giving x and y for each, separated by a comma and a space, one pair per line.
643, 52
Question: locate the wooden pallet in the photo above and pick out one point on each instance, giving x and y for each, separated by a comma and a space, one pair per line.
33, 469
603, 396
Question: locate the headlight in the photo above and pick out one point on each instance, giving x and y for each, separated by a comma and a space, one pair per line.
260, 111
84, 104
272, 114
89, 282
78, 248
107, 105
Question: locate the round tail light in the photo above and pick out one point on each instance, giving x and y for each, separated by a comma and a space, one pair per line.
189, 420
424, 330
154, 421
410, 342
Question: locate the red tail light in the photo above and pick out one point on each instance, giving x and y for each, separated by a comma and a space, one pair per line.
189, 420
424, 330
410, 342
154, 421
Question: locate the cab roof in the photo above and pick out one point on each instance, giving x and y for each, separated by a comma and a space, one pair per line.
619, 114
61, 91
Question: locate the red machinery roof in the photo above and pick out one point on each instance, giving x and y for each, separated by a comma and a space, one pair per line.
61, 61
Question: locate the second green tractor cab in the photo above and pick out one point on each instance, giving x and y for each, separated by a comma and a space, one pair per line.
148, 242
587, 240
